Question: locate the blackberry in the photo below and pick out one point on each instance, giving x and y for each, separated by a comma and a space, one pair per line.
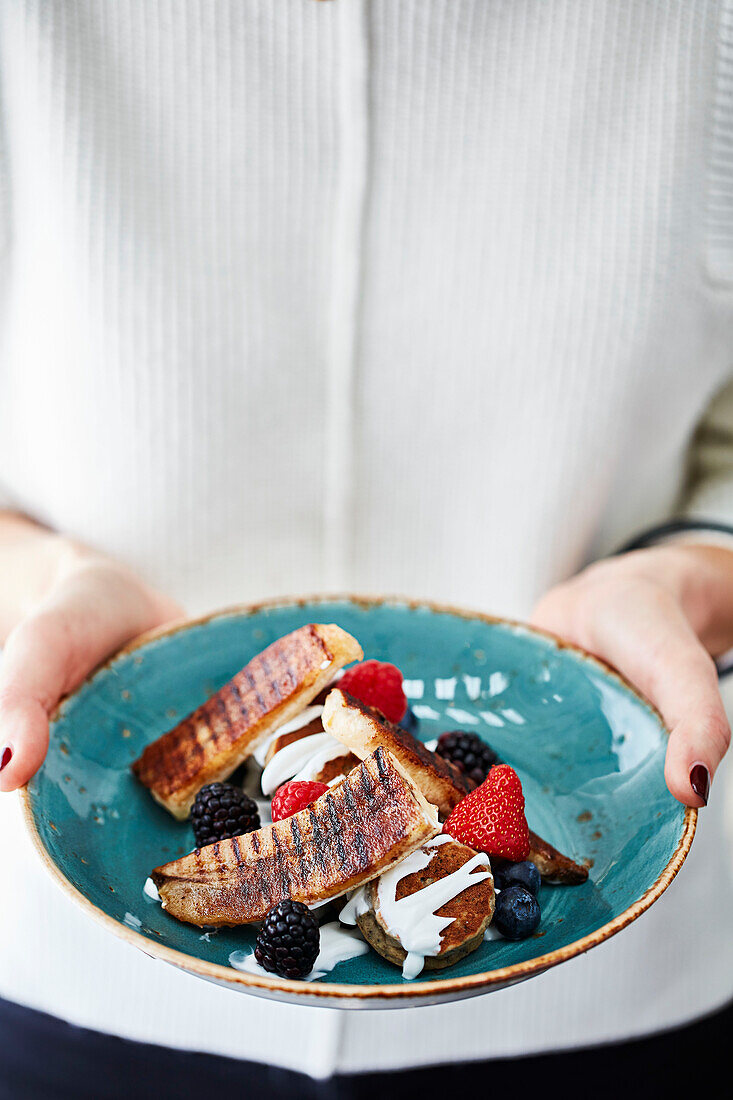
472, 755
289, 940
220, 811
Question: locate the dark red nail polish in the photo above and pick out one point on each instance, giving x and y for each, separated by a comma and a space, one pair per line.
700, 781
6, 757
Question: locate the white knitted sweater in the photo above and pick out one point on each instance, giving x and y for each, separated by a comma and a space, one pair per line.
422, 296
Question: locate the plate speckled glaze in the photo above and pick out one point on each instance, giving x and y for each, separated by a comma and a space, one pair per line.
589, 751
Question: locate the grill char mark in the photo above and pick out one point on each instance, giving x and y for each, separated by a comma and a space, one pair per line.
362, 851
270, 676
297, 838
381, 763
255, 690
281, 863
354, 813
319, 860
221, 730
337, 828
239, 700
366, 782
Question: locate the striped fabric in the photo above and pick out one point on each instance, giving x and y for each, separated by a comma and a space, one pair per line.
720, 169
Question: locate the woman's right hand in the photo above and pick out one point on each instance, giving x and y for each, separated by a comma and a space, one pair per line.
91, 607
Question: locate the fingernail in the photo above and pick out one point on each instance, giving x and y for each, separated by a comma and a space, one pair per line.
6, 757
700, 781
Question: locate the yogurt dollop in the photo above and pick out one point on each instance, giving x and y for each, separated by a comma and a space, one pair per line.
300, 760
303, 719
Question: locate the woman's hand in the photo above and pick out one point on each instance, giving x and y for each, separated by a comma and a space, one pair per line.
84, 608
660, 616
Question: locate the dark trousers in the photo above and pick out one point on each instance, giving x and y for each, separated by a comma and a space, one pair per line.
42, 1058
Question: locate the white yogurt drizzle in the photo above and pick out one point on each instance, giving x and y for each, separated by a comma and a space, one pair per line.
337, 945
300, 760
356, 906
303, 719
319, 759
412, 920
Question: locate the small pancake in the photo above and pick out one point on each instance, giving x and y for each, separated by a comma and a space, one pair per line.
472, 909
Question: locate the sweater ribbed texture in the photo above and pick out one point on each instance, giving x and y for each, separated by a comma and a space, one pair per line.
720, 173
421, 296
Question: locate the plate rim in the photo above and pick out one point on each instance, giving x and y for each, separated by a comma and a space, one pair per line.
426, 991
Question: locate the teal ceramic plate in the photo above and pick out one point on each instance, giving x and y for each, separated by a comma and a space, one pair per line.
589, 752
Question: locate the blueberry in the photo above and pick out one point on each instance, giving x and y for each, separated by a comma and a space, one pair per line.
498, 867
409, 722
518, 874
517, 913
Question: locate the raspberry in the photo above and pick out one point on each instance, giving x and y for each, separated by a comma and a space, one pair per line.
379, 685
295, 796
491, 818
468, 752
221, 811
289, 940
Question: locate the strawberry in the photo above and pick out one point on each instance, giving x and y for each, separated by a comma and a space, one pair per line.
379, 685
293, 797
491, 818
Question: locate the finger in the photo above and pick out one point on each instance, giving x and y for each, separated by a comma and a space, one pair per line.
23, 739
32, 676
700, 732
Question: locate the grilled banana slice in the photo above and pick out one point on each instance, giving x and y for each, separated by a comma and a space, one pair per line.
275, 686
346, 837
362, 729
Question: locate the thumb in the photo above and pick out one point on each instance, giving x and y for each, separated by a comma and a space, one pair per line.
33, 673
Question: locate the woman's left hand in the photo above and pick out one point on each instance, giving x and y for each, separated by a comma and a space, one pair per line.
660, 616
